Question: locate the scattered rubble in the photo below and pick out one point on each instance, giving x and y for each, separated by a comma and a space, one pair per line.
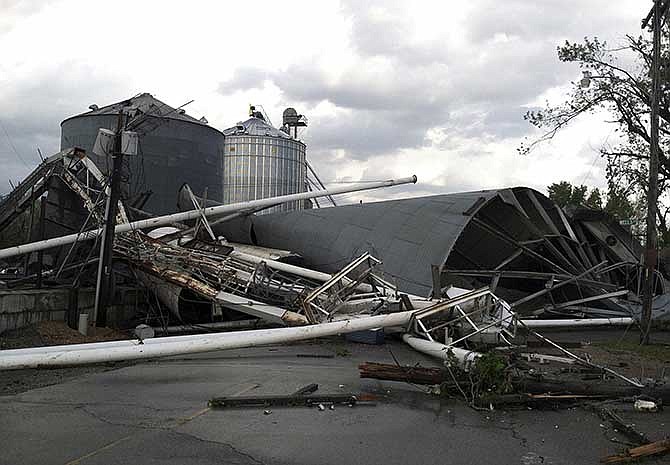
580, 271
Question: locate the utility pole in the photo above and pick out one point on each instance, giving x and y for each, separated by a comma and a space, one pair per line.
651, 246
104, 285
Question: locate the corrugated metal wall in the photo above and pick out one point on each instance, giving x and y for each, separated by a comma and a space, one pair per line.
174, 152
256, 167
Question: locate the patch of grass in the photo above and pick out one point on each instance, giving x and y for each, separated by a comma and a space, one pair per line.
652, 351
342, 352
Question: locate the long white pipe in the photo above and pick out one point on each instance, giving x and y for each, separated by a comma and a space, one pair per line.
192, 214
441, 351
183, 345
107, 344
280, 266
219, 325
579, 322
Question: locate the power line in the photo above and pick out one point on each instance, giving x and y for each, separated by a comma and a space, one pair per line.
9, 139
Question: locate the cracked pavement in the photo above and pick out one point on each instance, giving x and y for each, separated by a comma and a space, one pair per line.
156, 412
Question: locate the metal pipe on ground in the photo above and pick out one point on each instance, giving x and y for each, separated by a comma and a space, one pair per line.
441, 351
110, 344
219, 325
578, 322
131, 350
193, 214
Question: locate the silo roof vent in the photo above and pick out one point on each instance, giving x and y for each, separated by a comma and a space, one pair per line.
255, 127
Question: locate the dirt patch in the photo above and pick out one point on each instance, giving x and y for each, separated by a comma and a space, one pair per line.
53, 333
631, 359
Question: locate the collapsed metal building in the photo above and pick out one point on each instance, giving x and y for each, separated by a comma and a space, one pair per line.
516, 239
540, 259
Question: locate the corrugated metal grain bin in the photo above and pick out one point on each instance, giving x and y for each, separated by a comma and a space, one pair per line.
174, 148
261, 161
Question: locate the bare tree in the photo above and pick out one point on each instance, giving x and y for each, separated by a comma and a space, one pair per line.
623, 91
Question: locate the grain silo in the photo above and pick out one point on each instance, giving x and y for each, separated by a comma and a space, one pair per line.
262, 161
174, 148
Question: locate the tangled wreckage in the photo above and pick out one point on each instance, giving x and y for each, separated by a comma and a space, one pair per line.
461, 277
403, 263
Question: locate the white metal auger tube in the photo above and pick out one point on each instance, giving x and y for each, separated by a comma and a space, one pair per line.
435, 349
193, 214
181, 345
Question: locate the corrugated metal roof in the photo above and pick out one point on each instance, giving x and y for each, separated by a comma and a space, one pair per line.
475, 235
146, 104
409, 235
255, 127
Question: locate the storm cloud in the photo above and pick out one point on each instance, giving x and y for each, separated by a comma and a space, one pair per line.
473, 78
389, 87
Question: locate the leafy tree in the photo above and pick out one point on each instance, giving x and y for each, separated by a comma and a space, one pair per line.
561, 193
594, 199
564, 194
615, 203
617, 81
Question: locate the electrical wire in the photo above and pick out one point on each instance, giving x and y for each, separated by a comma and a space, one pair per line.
9, 139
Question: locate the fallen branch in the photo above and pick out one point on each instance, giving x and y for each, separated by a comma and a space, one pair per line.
621, 426
521, 384
647, 450
408, 374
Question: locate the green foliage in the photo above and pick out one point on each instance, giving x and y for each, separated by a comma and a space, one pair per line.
490, 375
623, 92
564, 194
561, 193
616, 203
594, 200
620, 206
342, 352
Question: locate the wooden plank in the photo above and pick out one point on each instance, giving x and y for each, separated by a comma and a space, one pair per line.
652, 449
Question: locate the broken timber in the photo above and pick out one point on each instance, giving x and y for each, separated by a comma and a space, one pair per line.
292, 400
647, 450
527, 385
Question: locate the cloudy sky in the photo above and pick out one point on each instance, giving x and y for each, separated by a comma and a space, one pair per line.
391, 88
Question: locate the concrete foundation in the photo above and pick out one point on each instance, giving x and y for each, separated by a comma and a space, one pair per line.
26, 306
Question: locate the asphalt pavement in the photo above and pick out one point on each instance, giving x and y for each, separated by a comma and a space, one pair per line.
156, 413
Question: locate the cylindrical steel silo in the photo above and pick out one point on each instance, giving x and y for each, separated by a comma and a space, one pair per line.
174, 148
261, 161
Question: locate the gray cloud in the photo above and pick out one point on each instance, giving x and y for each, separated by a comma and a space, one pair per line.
550, 20
244, 78
396, 90
368, 132
399, 89
33, 110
